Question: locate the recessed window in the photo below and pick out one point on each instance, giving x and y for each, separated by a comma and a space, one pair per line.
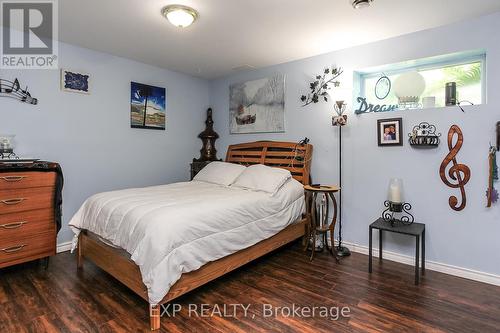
421, 83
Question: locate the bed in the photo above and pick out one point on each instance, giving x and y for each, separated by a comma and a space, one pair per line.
263, 233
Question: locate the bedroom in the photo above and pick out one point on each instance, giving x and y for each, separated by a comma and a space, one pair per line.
120, 111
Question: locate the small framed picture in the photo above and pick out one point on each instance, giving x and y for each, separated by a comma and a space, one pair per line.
74, 81
390, 132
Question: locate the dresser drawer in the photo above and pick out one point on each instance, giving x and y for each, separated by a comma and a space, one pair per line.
27, 248
12, 201
23, 224
18, 180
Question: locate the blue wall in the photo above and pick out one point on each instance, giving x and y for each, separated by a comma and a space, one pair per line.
90, 135
467, 239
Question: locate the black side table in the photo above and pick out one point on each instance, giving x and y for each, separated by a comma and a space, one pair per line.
414, 229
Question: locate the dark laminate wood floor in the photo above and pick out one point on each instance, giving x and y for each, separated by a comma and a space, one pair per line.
62, 300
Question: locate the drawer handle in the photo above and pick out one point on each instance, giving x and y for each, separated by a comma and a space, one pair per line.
14, 249
12, 179
14, 225
11, 202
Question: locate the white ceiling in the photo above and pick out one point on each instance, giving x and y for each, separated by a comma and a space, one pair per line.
232, 33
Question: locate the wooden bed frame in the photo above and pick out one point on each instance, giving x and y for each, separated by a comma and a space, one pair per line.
116, 262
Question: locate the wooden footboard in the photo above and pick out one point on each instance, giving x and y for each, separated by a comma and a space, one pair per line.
118, 264
112, 260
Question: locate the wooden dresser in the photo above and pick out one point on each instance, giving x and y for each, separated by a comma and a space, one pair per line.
28, 228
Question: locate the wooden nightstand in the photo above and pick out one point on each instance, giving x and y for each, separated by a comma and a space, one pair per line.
197, 166
312, 228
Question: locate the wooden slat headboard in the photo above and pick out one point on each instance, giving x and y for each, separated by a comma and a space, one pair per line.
287, 155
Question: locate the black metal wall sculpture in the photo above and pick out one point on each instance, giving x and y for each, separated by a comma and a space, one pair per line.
12, 89
319, 87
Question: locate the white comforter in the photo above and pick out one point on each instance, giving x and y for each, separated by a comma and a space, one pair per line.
173, 229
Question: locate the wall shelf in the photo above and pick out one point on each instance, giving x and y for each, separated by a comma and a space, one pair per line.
424, 136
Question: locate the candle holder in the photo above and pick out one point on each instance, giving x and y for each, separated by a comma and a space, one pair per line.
8, 154
396, 204
401, 208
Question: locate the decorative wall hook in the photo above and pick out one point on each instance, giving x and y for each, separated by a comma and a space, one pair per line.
458, 174
491, 192
13, 90
498, 136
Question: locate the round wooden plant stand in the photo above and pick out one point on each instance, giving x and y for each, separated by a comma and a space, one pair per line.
312, 228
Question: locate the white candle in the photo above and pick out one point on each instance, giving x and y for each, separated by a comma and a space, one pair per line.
396, 190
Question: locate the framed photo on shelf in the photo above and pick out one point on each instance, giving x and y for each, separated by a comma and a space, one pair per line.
390, 132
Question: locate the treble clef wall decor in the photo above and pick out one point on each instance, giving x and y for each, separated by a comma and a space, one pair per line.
459, 174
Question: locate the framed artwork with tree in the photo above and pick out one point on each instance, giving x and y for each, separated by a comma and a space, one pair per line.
147, 106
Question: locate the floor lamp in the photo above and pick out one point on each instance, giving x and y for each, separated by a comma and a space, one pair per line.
340, 121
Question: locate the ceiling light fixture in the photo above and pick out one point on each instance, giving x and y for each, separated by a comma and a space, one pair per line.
357, 4
179, 15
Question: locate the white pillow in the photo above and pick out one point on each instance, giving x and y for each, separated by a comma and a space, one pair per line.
221, 173
260, 177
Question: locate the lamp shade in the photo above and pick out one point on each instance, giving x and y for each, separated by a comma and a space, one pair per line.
396, 191
411, 84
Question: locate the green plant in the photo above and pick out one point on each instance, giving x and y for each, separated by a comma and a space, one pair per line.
463, 75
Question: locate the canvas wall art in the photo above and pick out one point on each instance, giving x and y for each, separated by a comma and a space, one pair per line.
147, 106
73, 81
258, 106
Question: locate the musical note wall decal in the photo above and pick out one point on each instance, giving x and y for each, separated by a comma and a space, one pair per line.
458, 175
12, 89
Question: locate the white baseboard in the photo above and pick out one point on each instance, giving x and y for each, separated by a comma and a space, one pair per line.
430, 265
63, 247
401, 258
